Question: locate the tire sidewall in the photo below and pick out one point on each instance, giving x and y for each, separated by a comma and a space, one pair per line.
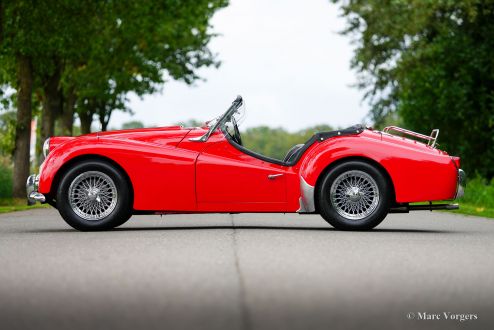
115, 218
334, 218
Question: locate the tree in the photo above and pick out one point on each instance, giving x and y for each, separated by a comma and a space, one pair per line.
132, 124
191, 123
127, 60
16, 60
34, 37
430, 63
86, 56
7, 133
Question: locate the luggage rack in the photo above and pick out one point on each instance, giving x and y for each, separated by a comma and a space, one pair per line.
431, 139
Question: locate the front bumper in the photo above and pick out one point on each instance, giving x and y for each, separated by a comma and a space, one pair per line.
461, 184
33, 195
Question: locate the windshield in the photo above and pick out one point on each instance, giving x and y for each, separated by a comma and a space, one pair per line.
232, 122
234, 113
236, 116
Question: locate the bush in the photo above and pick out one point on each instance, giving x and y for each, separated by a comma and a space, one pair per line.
5, 179
479, 192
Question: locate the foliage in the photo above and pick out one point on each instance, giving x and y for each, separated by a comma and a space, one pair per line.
7, 133
431, 63
479, 192
5, 178
132, 124
478, 199
86, 56
101, 51
139, 45
191, 123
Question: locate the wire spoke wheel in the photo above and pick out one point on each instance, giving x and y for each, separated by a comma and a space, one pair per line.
354, 195
93, 195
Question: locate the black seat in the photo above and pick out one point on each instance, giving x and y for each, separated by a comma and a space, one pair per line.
292, 153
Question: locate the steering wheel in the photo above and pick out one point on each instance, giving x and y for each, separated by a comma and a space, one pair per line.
236, 136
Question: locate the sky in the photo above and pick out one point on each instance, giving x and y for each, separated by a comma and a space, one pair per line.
286, 59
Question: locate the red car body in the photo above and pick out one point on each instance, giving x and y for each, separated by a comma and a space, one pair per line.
170, 171
352, 177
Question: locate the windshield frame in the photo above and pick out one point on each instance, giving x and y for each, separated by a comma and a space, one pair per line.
236, 104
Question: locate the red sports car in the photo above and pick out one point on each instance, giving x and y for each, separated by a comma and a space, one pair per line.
352, 177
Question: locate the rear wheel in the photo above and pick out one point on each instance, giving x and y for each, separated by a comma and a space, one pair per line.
93, 195
354, 196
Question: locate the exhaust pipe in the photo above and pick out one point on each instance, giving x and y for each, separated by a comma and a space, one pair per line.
424, 207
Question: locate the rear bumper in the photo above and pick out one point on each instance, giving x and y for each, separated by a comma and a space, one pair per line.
461, 184
32, 193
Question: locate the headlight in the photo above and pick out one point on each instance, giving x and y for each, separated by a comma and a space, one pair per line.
46, 147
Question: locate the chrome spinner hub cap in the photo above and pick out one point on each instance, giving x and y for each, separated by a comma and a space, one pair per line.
354, 195
93, 195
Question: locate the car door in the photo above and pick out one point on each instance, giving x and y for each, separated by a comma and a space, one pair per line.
228, 180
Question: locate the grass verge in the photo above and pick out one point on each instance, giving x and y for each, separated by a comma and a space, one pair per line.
471, 209
17, 204
478, 199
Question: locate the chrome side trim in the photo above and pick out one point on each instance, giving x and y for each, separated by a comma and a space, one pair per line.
462, 180
306, 199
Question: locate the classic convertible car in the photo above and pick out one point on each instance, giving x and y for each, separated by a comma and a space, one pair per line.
352, 177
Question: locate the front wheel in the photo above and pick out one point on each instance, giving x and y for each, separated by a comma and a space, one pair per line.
93, 195
354, 196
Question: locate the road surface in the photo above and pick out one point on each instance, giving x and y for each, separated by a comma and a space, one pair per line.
246, 271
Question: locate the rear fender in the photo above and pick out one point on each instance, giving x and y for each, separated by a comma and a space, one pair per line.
416, 175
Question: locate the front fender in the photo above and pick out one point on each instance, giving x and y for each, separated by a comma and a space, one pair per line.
61, 155
162, 177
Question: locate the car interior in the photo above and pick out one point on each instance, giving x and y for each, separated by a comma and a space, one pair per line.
228, 123
291, 158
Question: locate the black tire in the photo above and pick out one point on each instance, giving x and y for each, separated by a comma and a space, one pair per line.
336, 197
111, 216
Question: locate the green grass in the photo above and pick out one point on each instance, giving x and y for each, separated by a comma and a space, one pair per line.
17, 204
471, 209
478, 199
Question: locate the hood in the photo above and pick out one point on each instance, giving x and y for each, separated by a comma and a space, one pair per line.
125, 133
168, 135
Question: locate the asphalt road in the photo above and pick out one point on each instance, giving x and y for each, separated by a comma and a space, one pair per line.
245, 272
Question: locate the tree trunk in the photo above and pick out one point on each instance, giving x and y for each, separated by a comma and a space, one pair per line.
23, 127
68, 113
104, 119
52, 107
86, 118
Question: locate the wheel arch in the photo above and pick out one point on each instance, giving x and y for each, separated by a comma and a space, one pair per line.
63, 169
367, 160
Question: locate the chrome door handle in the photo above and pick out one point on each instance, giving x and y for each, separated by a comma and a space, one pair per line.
274, 176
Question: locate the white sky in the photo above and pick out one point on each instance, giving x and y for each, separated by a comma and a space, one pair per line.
284, 57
